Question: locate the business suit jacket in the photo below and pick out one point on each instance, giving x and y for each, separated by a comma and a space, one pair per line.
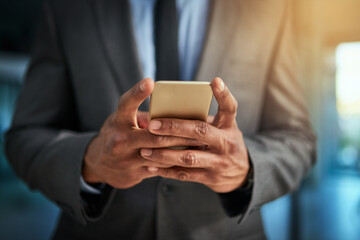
85, 58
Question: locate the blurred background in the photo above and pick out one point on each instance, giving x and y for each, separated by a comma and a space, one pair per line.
327, 204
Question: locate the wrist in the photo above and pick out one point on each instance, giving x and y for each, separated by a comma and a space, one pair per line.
249, 179
89, 175
88, 170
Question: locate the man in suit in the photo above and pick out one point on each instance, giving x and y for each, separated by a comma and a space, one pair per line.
110, 172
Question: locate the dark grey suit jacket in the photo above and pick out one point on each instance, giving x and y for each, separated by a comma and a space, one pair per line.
85, 58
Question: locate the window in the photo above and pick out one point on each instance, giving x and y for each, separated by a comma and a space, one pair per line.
348, 106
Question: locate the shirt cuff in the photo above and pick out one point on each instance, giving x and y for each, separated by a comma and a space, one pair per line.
85, 187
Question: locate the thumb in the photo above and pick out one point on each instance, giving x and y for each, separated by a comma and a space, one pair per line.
130, 101
227, 109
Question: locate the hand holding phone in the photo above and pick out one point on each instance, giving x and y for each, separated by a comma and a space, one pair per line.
222, 165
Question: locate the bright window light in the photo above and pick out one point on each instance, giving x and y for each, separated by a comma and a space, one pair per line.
348, 104
348, 78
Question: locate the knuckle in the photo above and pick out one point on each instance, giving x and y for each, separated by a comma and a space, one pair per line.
232, 146
173, 126
189, 159
202, 129
160, 140
120, 139
222, 166
114, 143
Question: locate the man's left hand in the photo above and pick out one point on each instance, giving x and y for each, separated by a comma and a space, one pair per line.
222, 164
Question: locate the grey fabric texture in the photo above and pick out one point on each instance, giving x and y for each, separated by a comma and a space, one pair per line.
85, 58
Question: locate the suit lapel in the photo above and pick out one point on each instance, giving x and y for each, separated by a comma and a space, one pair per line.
239, 47
240, 33
113, 20
220, 30
244, 22
221, 25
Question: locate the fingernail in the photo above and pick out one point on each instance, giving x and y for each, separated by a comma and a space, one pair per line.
221, 86
146, 152
153, 169
155, 125
142, 86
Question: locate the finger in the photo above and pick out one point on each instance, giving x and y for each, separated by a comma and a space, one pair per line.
226, 115
130, 101
193, 129
148, 163
144, 139
183, 174
183, 158
142, 119
144, 172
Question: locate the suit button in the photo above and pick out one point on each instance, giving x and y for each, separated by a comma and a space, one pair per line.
165, 187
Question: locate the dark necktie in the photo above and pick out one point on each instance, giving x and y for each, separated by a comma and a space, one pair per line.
166, 40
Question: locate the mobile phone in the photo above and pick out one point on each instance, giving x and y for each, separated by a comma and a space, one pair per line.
181, 99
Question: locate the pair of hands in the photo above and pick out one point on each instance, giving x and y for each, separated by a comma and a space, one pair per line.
130, 149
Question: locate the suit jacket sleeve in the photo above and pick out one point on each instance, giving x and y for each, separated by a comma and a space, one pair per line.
43, 145
283, 150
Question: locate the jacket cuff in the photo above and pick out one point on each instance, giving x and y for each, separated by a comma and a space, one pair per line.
236, 202
63, 160
95, 205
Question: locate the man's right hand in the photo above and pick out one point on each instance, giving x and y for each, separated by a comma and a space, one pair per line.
113, 157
